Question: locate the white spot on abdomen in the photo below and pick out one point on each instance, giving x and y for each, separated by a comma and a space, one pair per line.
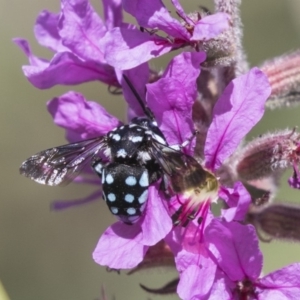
130, 180
144, 180
143, 198
129, 198
131, 210
111, 197
109, 179
114, 210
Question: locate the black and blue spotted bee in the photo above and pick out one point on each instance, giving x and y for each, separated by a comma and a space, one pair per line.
137, 154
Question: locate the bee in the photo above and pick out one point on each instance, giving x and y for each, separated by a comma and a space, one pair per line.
136, 155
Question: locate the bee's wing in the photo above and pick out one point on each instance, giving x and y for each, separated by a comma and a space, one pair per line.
172, 161
60, 165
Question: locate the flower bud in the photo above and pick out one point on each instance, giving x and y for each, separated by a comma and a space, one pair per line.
219, 50
267, 156
259, 196
234, 36
280, 221
284, 76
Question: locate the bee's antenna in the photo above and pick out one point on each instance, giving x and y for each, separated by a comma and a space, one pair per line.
144, 107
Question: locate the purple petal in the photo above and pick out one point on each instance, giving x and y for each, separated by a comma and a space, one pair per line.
185, 67
238, 200
157, 222
153, 14
36, 62
210, 26
171, 98
191, 238
289, 294
222, 287
294, 180
170, 104
67, 69
46, 31
126, 48
196, 281
113, 13
184, 259
235, 248
65, 204
172, 241
281, 284
239, 108
81, 29
120, 247
188, 286
87, 119
82, 179
180, 11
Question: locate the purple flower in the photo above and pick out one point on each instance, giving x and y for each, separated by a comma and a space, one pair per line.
171, 99
233, 267
121, 245
124, 246
86, 119
126, 47
197, 278
294, 180
73, 35
238, 109
190, 244
243, 265
80, 118
216, 257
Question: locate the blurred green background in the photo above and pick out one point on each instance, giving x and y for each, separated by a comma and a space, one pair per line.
47, 255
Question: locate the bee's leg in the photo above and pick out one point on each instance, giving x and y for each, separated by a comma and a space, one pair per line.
165, 187
97, 165
186, 142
